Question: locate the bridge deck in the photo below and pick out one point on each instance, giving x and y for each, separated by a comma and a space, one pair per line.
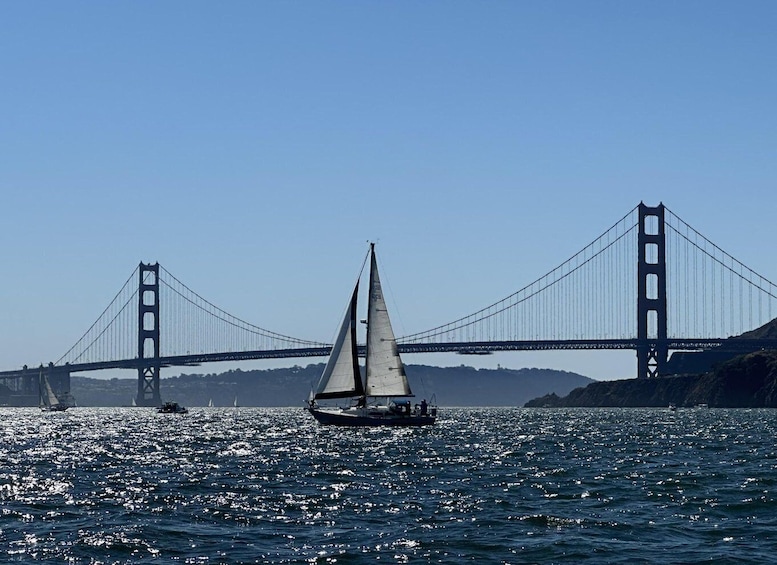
467, 348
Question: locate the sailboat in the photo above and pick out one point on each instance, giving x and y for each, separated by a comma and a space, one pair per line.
48, 400
383, 398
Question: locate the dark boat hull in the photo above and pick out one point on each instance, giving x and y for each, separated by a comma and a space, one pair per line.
172, 408
54, 408
365, 417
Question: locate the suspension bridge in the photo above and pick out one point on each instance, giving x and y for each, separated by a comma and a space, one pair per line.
650, 283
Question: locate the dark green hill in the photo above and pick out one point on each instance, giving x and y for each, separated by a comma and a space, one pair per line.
452, 386
767, 331
747, 381
697, 362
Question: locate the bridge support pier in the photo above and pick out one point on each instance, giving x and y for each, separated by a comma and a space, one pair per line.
148, 336
652, 352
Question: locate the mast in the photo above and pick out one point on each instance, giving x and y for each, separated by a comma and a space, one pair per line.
369, 320
40, 389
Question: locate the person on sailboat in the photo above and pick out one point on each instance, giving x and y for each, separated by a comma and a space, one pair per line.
423, 407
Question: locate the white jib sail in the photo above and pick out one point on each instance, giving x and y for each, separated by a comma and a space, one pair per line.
385, 371
341, 378
51, 398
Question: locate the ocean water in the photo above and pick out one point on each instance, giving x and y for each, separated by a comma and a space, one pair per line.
128, 485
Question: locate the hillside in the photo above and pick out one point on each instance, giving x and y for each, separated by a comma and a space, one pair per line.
697, 362
453, 386
767, 331
747, 381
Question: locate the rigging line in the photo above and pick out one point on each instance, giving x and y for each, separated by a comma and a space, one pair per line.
268, 333
358, 279
733, 259
740, 264
512, 304
101, 315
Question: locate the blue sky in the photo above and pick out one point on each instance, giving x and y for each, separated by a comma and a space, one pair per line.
253, 148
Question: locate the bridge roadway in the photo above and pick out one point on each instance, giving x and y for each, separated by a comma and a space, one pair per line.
465, 348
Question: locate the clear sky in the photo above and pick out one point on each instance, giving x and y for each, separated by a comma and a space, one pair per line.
252, 148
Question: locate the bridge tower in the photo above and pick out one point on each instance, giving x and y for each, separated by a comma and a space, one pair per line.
652, 350
148, 336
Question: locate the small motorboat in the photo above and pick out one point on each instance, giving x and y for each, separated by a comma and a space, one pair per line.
172, 408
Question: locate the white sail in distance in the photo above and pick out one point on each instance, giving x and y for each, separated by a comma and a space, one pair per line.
49, 398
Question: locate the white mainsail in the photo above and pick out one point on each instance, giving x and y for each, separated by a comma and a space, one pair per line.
48, 398
385, 371
341, 378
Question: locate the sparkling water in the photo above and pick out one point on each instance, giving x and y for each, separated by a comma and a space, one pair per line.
127, 485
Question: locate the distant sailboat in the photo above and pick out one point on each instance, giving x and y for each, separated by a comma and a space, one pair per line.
375, 402
47, 399
210, 403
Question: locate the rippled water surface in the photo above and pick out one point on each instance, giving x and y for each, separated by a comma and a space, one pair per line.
489, 485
